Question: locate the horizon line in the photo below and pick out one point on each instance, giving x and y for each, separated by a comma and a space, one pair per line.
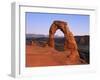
60, 35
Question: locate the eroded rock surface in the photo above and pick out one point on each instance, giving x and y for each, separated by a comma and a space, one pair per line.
69, 44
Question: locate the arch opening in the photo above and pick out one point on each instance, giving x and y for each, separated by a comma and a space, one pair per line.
69, 43
59, 40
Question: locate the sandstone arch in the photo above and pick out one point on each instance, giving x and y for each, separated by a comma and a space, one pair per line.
69, 43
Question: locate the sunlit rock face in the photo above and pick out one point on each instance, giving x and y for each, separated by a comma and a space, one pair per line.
69, 44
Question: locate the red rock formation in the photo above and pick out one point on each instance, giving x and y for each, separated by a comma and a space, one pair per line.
69, 44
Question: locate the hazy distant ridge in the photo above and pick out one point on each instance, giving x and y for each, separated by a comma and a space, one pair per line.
38, 35
35, 35
42, 35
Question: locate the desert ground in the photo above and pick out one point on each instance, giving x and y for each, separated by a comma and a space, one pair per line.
38, 54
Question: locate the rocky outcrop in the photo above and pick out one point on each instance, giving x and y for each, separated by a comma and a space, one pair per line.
69, 44
82, 40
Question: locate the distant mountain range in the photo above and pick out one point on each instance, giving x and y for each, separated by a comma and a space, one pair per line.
35, 35
39, 35
42, 35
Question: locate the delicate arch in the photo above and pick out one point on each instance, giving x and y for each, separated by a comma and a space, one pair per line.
69, 43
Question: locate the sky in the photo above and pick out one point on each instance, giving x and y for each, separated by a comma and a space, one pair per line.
39, 23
